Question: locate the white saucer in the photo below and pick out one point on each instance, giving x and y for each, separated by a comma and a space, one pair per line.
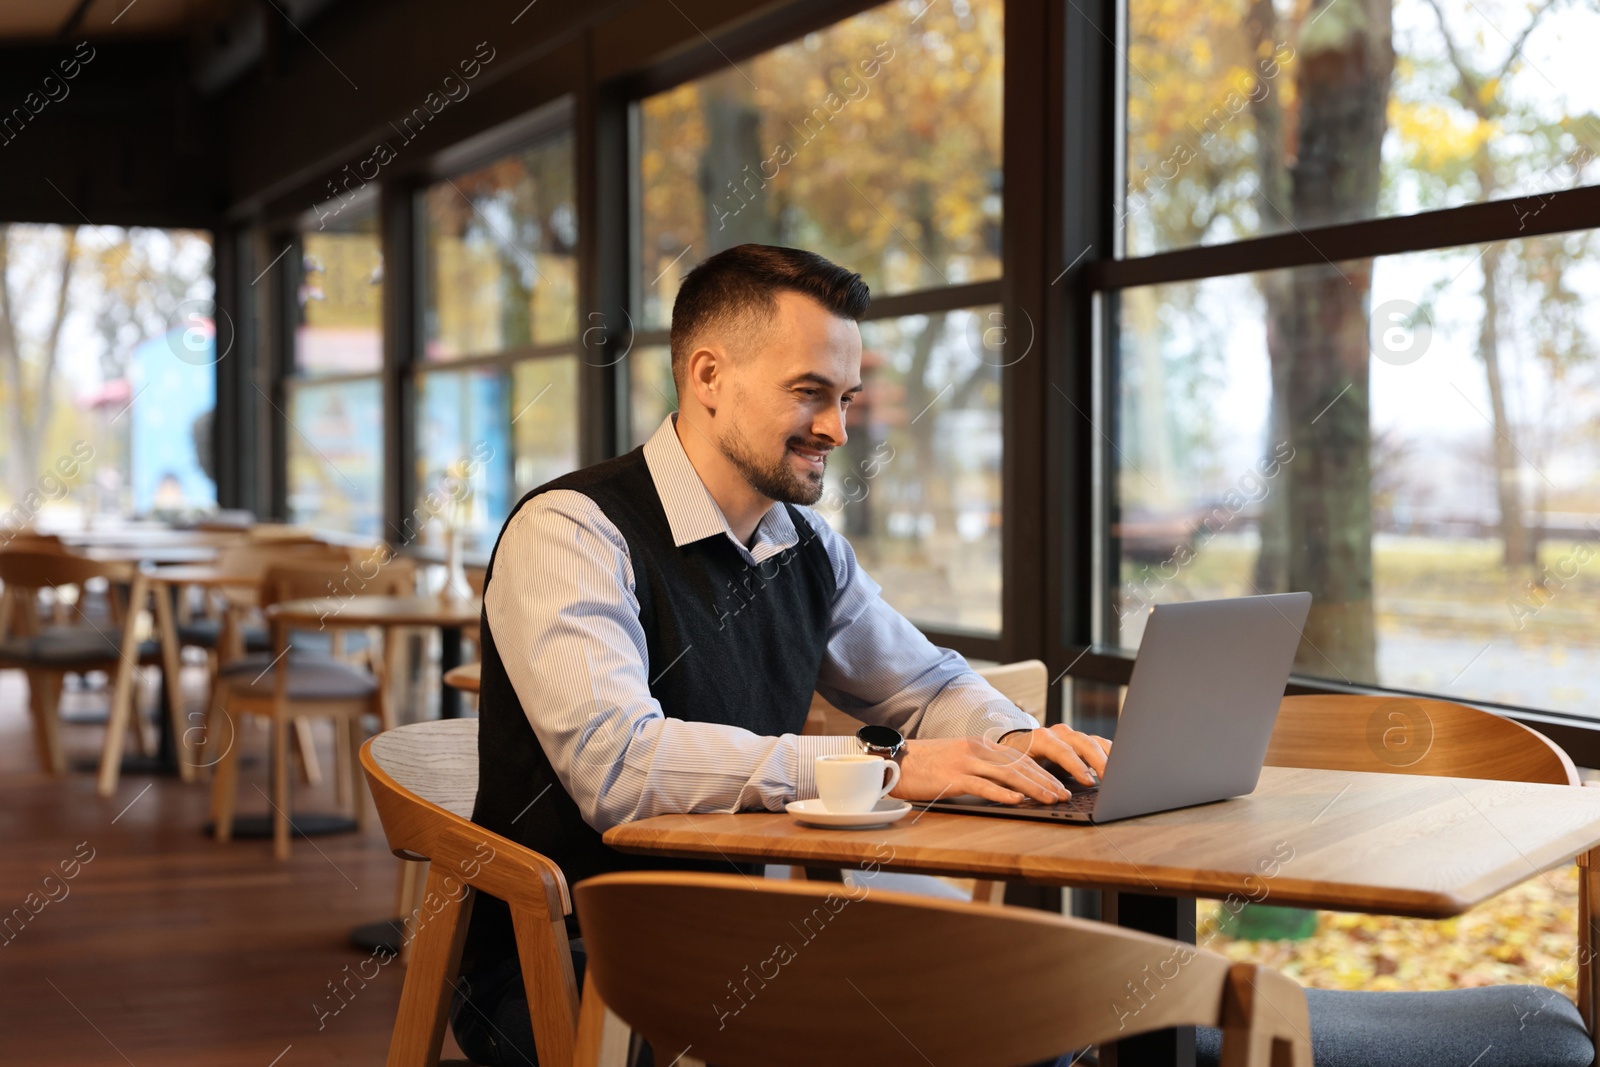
812, 813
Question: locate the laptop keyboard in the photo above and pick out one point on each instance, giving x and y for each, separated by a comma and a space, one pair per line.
1083, 801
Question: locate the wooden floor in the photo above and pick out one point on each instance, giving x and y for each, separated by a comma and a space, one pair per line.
167, 948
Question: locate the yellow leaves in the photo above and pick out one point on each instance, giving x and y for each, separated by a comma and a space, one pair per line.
1438, 137
1527, 935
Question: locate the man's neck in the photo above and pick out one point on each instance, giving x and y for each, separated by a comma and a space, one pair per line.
740, 504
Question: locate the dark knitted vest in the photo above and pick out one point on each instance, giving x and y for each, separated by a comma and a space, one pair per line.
728, 643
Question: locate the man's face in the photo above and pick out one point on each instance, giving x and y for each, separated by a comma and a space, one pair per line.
788, 397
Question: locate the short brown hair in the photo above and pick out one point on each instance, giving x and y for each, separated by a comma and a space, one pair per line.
744, 281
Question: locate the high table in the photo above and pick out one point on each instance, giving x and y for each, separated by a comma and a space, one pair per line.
1343, 840
390, 612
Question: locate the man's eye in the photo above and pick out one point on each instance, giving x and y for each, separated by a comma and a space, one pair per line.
808, 393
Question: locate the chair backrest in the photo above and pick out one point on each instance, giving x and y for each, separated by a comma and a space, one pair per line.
30, 541
1411, 735
743, 972
34, 571
308, 576
1026, 683
424, 778
253, 560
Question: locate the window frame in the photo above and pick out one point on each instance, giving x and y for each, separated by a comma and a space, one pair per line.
543, 123
1091, 658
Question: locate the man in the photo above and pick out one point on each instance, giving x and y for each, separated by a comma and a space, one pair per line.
654, 626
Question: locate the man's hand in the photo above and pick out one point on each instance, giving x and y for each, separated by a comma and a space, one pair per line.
1077, 754
940, 767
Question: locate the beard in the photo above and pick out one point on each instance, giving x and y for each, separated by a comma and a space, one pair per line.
776, 480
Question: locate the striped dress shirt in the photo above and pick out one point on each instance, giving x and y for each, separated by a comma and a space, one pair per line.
565, 618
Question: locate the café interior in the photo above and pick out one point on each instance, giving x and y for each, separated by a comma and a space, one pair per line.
1192, 326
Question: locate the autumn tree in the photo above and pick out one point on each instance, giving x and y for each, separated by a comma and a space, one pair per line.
1476, 142
875, 142
36, 268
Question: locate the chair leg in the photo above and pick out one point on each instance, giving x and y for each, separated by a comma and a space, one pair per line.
44, 701
358, 792
280, 787
603, 1037
409, 898
172, 675
430, 979
142, 745
118, 722
306, 746
343, 784
1588, 964
985, 891
225, 786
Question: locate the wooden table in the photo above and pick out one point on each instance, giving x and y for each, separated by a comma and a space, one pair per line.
1342, 840
468, 677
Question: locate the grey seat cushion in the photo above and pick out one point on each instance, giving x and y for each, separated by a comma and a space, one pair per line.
1495, 1026
203, 633
57, 645
311, 677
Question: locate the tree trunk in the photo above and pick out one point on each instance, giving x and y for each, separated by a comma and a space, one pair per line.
1518, 546
737, 205
1346, 64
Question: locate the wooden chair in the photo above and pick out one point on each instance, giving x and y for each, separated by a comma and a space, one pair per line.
48, 652
1406, 735
892, 978
218, 630
285, 686
1025, 683
424, 778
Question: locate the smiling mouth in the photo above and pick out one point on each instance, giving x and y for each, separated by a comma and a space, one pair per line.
814, 457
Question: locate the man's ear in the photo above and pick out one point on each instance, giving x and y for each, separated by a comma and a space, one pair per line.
706, 376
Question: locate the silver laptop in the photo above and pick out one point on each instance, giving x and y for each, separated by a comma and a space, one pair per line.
1198, 715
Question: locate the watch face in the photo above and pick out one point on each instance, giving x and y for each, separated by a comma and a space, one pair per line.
880, 737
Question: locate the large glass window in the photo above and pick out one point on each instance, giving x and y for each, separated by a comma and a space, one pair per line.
335, 456
500, 255
874, 142
497, 383
107, 373
1437, 496
335, 416
916, 488
340, 296
1246, 119
502, 430
1410, 437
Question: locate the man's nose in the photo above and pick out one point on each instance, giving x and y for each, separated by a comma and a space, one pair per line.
830, 426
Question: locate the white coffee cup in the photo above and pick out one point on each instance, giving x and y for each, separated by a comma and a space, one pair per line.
854, 782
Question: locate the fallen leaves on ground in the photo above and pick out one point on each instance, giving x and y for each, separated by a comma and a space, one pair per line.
1525, 936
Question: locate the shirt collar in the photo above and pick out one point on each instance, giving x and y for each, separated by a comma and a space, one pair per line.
691, 512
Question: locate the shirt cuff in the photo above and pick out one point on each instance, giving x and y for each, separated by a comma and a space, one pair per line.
807, 748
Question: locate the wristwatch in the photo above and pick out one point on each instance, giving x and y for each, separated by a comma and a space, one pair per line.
883, 741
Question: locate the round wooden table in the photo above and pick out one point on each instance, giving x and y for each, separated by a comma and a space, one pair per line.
465, 677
